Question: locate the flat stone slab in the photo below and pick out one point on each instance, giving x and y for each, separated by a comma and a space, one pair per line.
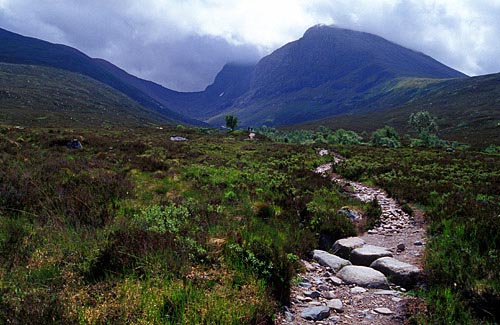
367, 254
383, 311
316, 313
330, 260
343, 247
336, 304
399, 273
363, 276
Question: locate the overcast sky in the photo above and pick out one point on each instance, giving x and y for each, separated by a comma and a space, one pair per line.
182, 44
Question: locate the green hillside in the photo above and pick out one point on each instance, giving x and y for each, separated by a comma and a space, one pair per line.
41, 96
468, 110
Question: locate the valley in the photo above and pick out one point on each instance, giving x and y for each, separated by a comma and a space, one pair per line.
124, 202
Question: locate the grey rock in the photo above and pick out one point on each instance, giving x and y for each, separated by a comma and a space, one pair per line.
367, 254
363, 276
336, 304
330, 260
399, 273
401, 247
351, 214
357, 290
74, 144
335, 319
418, 243
176, 138
383, 311
343, 247
316, 313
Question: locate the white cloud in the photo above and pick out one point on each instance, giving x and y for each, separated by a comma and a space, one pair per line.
459, 33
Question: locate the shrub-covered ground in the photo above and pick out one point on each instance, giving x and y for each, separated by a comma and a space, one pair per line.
460, 192
136, 228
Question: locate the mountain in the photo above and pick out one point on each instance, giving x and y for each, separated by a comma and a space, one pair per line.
43, 96
19, 49
329, 71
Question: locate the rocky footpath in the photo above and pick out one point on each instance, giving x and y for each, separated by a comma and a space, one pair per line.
362, 280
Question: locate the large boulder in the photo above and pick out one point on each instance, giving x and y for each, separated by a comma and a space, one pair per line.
330, 260
315, 313
400, 273
343, 247
367, 254
363, 276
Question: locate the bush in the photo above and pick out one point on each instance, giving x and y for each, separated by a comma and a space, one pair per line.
386, 137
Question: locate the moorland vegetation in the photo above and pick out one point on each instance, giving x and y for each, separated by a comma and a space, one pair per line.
136, 228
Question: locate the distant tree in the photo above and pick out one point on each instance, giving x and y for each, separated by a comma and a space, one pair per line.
231, 121
386, 137
344, 137
423, 122
426, 127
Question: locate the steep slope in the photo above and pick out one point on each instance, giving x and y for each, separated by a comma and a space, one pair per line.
26, 50
468, 110
43, 96
345, 59
329, 71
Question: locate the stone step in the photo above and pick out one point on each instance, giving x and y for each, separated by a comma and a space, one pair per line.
367, 254
400, 273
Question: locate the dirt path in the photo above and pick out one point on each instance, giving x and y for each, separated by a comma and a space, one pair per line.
398, 232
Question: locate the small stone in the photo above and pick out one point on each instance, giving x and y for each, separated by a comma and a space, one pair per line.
335, 319
336, 304
383, 311
401, 247
323, 288
316, 313
289, 317
395, 299
386, 293
312, 294
372, 232
306, 299
308, 266
328, 294
418, 243
357, 290
336, 281
305, 285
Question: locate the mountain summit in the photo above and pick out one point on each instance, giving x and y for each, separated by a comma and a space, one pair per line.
344, 59
329, 71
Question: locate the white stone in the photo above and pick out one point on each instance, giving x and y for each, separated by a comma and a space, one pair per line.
363, 276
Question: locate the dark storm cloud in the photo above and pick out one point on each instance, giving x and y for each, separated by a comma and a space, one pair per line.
183, 43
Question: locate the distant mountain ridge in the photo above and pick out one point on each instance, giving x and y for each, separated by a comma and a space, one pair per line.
18, 49
331, 75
